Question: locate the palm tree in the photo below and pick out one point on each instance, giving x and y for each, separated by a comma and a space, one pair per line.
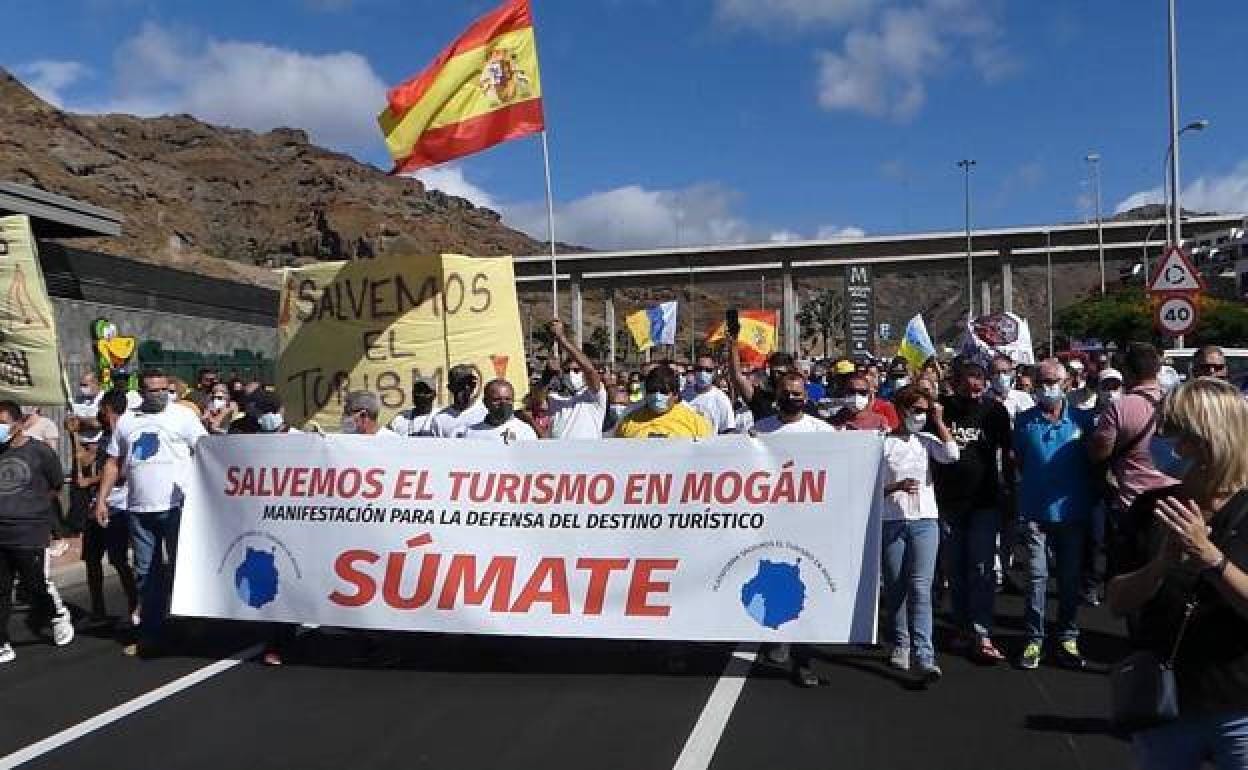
823, 315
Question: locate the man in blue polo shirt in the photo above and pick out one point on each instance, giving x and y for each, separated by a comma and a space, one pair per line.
1056, 496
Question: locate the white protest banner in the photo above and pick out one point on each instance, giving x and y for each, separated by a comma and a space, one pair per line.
734, 538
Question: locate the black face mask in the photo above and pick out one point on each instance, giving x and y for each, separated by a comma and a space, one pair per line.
790, 406
422, 404
497, 415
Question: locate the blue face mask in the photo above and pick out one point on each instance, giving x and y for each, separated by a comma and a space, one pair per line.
658, 402
1167, 460
6, 432
703, 379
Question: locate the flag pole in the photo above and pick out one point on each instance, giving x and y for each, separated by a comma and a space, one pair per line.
550, 232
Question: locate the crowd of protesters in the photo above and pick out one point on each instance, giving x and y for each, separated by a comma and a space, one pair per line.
1108, 474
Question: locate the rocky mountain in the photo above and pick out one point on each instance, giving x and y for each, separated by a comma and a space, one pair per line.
223, 201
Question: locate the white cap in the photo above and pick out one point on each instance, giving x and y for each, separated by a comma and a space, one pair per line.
1110, 374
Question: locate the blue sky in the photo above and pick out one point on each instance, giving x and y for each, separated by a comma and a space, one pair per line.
698, 121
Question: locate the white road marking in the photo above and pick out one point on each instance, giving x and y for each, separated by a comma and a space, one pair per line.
70, 734
704, 739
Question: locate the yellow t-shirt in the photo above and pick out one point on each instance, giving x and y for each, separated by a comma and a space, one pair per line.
678, 422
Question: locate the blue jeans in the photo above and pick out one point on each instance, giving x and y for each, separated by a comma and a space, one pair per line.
909, 563
969, 544
148, 533
1066, 540
1183, 745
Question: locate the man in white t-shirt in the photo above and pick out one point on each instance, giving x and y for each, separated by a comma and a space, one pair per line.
463, 411
1002, 388
416, 422
581, 414
500, 423
154, 445
708, 400
791, 417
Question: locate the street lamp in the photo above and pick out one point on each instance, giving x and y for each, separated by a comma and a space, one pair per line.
1094, 159
1195, 125
966, 165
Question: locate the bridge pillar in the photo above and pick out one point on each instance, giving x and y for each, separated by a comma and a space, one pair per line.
985, 297
788, 309
578, 331
609, 316
1007, 282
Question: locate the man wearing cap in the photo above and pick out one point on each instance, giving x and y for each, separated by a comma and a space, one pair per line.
264, 415
1108, 388
463, 410
500, 422
360, 415
1083, 392
416, 422
580, 413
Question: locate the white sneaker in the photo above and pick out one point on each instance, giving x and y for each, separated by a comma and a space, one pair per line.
62, 630
899, 659
7, 655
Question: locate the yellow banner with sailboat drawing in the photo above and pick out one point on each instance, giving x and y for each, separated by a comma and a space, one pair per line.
30, 357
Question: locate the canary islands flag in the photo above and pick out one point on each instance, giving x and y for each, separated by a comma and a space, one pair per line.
916, 345
482, 90
656, 325
757, 339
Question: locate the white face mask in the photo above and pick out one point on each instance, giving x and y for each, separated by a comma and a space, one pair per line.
1050, 395
576, 381
915, 422
348, 425
86, 390
659, 402
859, 402
1112, 395
1002, 382
270, 422
219, 403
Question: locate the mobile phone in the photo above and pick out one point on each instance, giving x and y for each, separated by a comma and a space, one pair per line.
732, 322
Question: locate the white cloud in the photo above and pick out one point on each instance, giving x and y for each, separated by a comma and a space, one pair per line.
48, 78
791, 14
632, 216
333, 96
833, 232
1223, 193
885, 61
451, 180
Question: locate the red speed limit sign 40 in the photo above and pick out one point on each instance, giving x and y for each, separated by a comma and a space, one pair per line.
1176, 315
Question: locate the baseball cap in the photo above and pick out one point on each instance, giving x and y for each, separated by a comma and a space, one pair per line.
1110, 374
460, 374
845, 367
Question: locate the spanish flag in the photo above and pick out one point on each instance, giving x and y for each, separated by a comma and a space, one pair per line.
757, 339
482, 90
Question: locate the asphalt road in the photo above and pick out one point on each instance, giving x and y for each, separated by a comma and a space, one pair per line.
490, 702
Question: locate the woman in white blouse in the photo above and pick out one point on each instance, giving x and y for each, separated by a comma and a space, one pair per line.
911, 531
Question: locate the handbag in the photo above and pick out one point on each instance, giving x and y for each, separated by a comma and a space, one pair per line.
1143, 690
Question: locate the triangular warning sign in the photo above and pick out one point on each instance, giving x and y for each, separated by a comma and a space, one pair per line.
1176, 273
